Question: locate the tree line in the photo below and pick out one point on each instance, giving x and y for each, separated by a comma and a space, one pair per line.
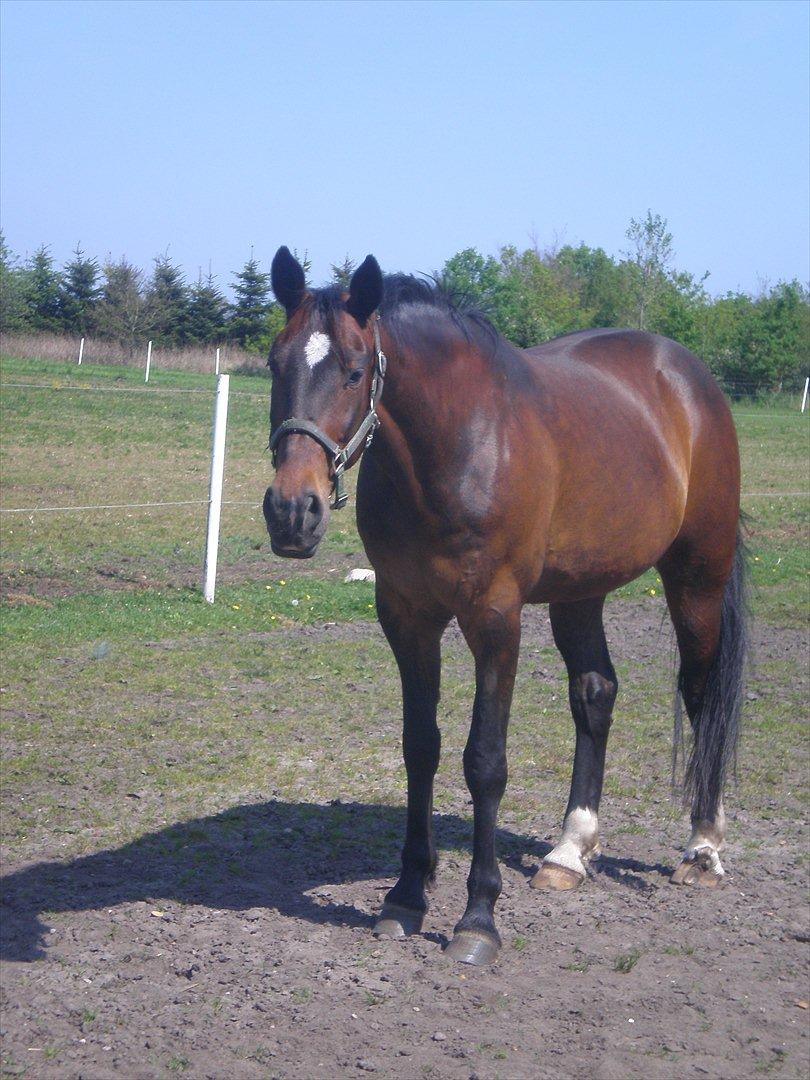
753, 343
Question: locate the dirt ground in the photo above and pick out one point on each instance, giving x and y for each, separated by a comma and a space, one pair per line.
124, 963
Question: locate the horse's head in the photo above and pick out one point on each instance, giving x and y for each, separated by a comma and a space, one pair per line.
325, 367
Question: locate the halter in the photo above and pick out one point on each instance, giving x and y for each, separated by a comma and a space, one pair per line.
340, 456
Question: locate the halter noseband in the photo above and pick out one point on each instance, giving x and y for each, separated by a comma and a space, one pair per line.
340, 457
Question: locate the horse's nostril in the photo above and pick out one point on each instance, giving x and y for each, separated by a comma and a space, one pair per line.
313, 510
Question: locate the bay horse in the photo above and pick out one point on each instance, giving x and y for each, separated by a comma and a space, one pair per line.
499, 477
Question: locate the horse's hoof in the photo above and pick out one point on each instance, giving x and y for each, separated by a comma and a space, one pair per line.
559, 878
703, 868
473, 947
398, 922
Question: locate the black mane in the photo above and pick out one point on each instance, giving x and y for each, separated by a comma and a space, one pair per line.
403, 292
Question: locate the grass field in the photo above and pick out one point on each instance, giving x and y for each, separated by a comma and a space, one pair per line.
140, 722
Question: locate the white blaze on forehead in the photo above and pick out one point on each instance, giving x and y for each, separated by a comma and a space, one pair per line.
316, 348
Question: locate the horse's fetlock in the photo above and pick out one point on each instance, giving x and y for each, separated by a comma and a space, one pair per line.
484, 885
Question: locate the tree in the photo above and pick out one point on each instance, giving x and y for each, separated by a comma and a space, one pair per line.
648, 258
531, 304
207, 312
123, 313
12, 291
602, 287
779, 339
41, 291
252, 306
167, 300
471, 278
342, 273
681, 310
80, 292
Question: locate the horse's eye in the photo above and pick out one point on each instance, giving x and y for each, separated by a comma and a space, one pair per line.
355, 377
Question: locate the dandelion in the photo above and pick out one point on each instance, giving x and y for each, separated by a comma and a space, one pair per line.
235, 607
282, 582
652, 592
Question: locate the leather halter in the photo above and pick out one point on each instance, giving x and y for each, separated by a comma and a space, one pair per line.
339, 457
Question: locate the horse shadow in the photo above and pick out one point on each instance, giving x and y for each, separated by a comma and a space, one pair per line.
266, 855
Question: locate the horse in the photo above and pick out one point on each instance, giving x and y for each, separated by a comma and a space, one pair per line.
493, 477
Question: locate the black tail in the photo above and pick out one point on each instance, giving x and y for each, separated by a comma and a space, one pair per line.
716, 725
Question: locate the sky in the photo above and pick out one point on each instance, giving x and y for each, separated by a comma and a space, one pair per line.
207, 130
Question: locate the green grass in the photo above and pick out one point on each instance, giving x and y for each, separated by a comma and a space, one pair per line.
625, 963
122, 614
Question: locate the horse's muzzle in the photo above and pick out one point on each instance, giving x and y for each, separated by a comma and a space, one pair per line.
296, 525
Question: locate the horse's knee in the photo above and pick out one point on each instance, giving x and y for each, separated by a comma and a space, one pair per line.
592, 699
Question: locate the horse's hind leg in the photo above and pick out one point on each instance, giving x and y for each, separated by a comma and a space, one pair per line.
705, 594
415, 639
592, 685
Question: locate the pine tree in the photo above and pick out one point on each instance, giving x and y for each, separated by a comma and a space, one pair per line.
42, 289
167, 298
252, 306
342, 273
207, 311
80, 292
12, 295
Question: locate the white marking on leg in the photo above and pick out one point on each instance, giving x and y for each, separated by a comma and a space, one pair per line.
579, 841
316, 348
708, 837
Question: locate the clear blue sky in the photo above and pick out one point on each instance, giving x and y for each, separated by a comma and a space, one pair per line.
410, 130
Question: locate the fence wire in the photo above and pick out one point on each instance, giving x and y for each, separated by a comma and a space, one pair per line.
157, 390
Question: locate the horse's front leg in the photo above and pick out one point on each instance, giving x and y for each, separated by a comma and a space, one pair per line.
415, 638
494, 638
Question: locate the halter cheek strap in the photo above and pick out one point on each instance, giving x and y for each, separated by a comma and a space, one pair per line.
340, 456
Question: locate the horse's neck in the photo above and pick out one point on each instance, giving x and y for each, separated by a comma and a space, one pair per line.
421, 415
410, 394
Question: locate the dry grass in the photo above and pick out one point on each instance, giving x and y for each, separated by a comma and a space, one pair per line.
65, 348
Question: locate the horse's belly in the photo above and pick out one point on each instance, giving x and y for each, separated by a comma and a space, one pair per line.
590, 554
559, 584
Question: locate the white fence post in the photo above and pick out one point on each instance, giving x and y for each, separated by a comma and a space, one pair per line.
215, 487
81, 350
216, 369
148, 360
804, 395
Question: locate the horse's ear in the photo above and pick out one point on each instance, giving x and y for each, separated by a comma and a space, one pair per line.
365, 289
289, 283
